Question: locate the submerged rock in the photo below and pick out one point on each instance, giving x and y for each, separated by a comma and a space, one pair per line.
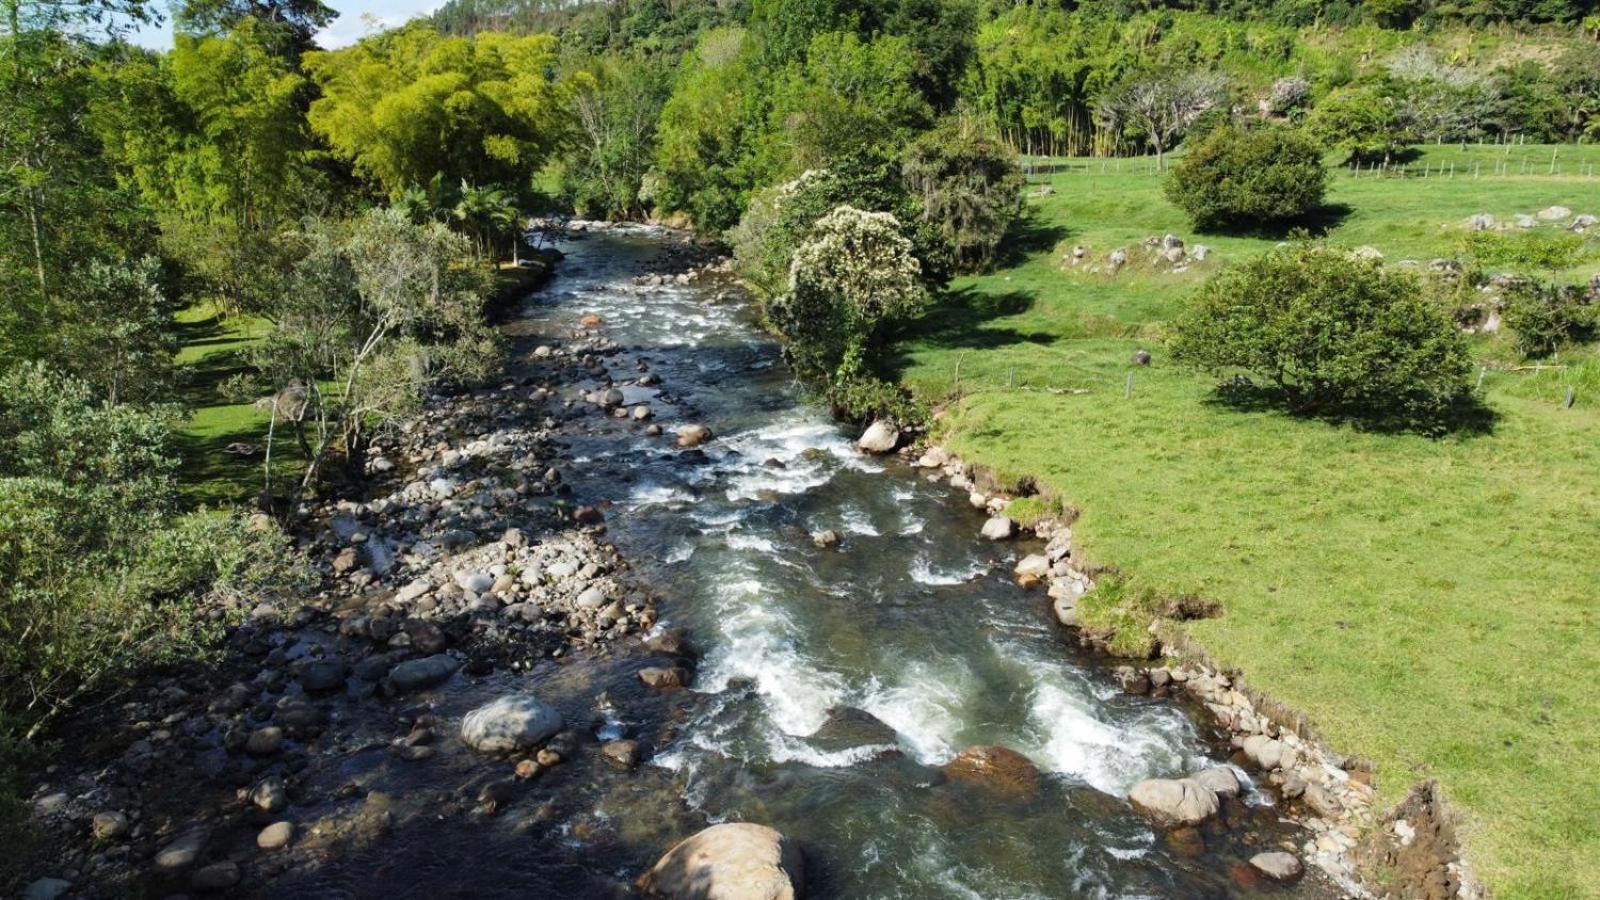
419, 674
510, 723
1278, 866
848, 727
732, 861
1174, 802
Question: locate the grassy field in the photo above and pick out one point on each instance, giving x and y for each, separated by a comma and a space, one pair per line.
1431, 604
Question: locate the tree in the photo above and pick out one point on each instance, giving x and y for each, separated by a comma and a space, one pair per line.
116, 333
375, 311
617, 111
113, 16
289, 25
854, 274
410, 108
968, 186
704, 135
1363, 121
1160, 108
487, 214
1237, 178
1332, 334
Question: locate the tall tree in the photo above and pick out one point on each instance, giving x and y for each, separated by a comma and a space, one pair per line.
288, 26
1160, 108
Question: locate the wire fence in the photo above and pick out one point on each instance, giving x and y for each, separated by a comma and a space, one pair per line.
1482, 161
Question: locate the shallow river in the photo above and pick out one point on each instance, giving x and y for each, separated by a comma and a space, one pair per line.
914, 619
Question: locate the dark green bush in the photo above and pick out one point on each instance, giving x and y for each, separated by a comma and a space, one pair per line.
1545, 317
1235, 178
1332, 334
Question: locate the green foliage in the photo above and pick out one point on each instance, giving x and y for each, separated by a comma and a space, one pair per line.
617, 111
1525, 251
1332, 333
852, 276
1362, 122
702, 136
968, 186
288, 25
1544, 318
1236, 178
410, 108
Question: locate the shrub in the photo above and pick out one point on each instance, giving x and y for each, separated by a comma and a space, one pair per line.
855, 273
1365, 122
1544, 317
1332, 333
1235, 178
969, 187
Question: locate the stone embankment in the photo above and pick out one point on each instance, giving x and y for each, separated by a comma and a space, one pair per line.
1409, 851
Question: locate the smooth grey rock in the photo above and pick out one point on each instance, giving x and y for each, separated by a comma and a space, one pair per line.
264, 741
510, 723
182, 851
270, 794
731, 861
880, 437
420, 674
275, 836
1278, 866
108, 825
1173, 802
1034, 565
476, 582
46, 889
999, 528
1219, 780
1263, 751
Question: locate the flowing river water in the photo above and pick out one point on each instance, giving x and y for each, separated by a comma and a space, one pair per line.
914, 620
832, 684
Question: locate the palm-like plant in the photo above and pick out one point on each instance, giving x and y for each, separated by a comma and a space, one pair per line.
487, 213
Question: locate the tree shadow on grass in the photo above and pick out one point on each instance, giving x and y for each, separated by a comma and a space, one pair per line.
1028, 235
959, 320
1468, 416
1318, 223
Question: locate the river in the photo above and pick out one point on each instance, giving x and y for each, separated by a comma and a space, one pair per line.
914, 619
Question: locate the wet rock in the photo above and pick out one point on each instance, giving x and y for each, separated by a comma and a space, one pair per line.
732, 861
588, 515
880, 437
324, 675
46, 889
1033, 567
1000, 770
275, 836
1263, 751
1219, 780
218, 876
826, 539
420, 674
999, 528
182, 852
623, 754
510, 723
270, 794
108, 826
1281, 867
1173, 802
1132, 680
693, 435
664, 678
848, 727
264, 741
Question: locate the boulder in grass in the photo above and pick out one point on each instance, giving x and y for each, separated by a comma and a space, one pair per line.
731, 861
1174, 802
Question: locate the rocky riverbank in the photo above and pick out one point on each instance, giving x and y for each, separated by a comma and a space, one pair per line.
1407, 852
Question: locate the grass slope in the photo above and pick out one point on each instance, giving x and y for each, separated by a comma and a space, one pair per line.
1430, 604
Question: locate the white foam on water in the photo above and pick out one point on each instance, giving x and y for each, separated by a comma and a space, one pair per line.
857, 522
913, 525
788, 748
680, 553
1108, 757
740, 541
923, 572
653, 493
925, 707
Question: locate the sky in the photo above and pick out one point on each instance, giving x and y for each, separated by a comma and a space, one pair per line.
357, 18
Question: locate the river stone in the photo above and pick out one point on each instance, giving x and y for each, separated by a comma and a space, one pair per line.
693, 435
275, 836
731, 861
1219, 780
1000, 770
182, 851
476, 582
999, 528
419, 674
1263, 751
264, 741
1173, 802
664, 678
591, 598
826, 539
108, 825
510, 723
880, 437
218, 876
323, 675
624, 754
612, 398
848, 727
1278, 866
270, 794
1034, 565
47, 889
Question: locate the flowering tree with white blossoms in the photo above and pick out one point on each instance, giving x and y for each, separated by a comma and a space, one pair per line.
854, 273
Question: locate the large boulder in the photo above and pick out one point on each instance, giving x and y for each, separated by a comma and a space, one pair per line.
1278, 866
880, 437
998, 770
732, 861
999, 528
848, 727
693, 435
510, 723
1174, 802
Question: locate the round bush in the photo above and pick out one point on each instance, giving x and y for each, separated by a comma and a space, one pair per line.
1332, 334
1238, 178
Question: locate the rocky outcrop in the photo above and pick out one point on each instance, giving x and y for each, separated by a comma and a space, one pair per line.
1174, 802
732, 861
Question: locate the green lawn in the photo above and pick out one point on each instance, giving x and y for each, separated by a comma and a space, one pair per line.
1431, 604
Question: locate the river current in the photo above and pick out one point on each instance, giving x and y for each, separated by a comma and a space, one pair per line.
914, 620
